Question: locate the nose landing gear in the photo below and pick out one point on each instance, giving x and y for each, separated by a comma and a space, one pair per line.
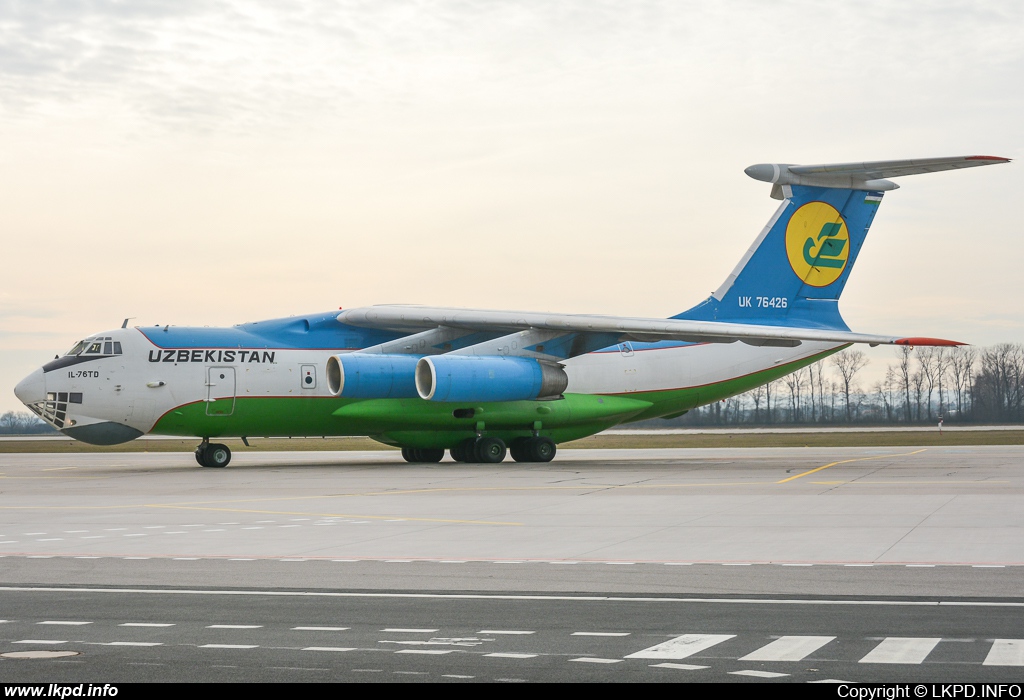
213, 454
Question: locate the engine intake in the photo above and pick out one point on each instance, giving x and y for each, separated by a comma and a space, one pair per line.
371, 376
487, 378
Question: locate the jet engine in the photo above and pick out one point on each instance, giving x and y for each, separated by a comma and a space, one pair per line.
487, 378
371, 376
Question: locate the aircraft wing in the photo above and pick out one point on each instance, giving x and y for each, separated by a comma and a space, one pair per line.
412, 319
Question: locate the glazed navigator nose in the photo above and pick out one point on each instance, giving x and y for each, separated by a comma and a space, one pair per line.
31, 389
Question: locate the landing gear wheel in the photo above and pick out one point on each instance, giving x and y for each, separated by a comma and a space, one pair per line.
541, 449
213, 455
490, 450
464, 451
519, 449
537, 449
422, 454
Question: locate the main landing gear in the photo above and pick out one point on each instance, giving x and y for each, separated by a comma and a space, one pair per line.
422, 454
212, 454
492, 450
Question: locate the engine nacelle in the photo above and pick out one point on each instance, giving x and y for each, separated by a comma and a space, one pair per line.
370, 376
487, 378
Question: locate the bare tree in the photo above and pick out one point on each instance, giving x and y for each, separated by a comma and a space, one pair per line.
961, 369
849, 363
903, 355
795, 382
928, 370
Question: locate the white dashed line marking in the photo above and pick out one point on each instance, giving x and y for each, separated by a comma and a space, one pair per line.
408, 629
73, 623
596, 660
132, 644
425, 651
51, 539
506, 632
229, 646
329, 649
146, 624
500, 655
321, 629
40, 641
600, 634
679, 563
233, 627
758, 674
679, 667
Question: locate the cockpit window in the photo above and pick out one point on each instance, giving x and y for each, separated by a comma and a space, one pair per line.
95, 346
79, 347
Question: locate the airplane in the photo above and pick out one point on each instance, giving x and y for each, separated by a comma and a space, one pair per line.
482, 383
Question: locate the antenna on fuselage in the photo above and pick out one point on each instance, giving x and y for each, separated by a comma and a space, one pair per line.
125, 324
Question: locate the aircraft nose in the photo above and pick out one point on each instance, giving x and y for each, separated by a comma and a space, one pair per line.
32, 388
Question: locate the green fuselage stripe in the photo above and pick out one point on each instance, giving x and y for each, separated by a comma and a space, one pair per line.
418, 423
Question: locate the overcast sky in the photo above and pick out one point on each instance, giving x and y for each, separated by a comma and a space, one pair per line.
212, 162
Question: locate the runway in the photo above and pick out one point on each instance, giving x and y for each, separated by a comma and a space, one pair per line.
638, 544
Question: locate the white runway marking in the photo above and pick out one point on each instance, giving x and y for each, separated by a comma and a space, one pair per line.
411, 630
40, 641
901, 650
600, 634
789, 648
63, 622
1005, 652
681, 667
506, 632
233, 627
681, 647
425, 651
506, 655
595, 660
51, 539
321, 629
146, 624
329, 649
132, 644
758, 674
229, 646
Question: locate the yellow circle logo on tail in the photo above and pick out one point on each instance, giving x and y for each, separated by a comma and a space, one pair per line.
817, 244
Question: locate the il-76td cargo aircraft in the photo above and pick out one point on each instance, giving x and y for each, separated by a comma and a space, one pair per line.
479, 382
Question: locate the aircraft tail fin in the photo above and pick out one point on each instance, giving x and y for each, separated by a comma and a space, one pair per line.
796, 270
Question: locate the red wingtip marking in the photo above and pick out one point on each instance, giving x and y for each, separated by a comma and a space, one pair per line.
999, 158
929, 342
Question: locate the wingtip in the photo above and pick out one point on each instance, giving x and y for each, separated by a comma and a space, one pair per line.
930, 342
996, 159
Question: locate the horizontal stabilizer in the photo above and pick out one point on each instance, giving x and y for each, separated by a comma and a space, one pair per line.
870, 175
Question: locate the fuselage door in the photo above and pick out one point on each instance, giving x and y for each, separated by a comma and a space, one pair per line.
220, 391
